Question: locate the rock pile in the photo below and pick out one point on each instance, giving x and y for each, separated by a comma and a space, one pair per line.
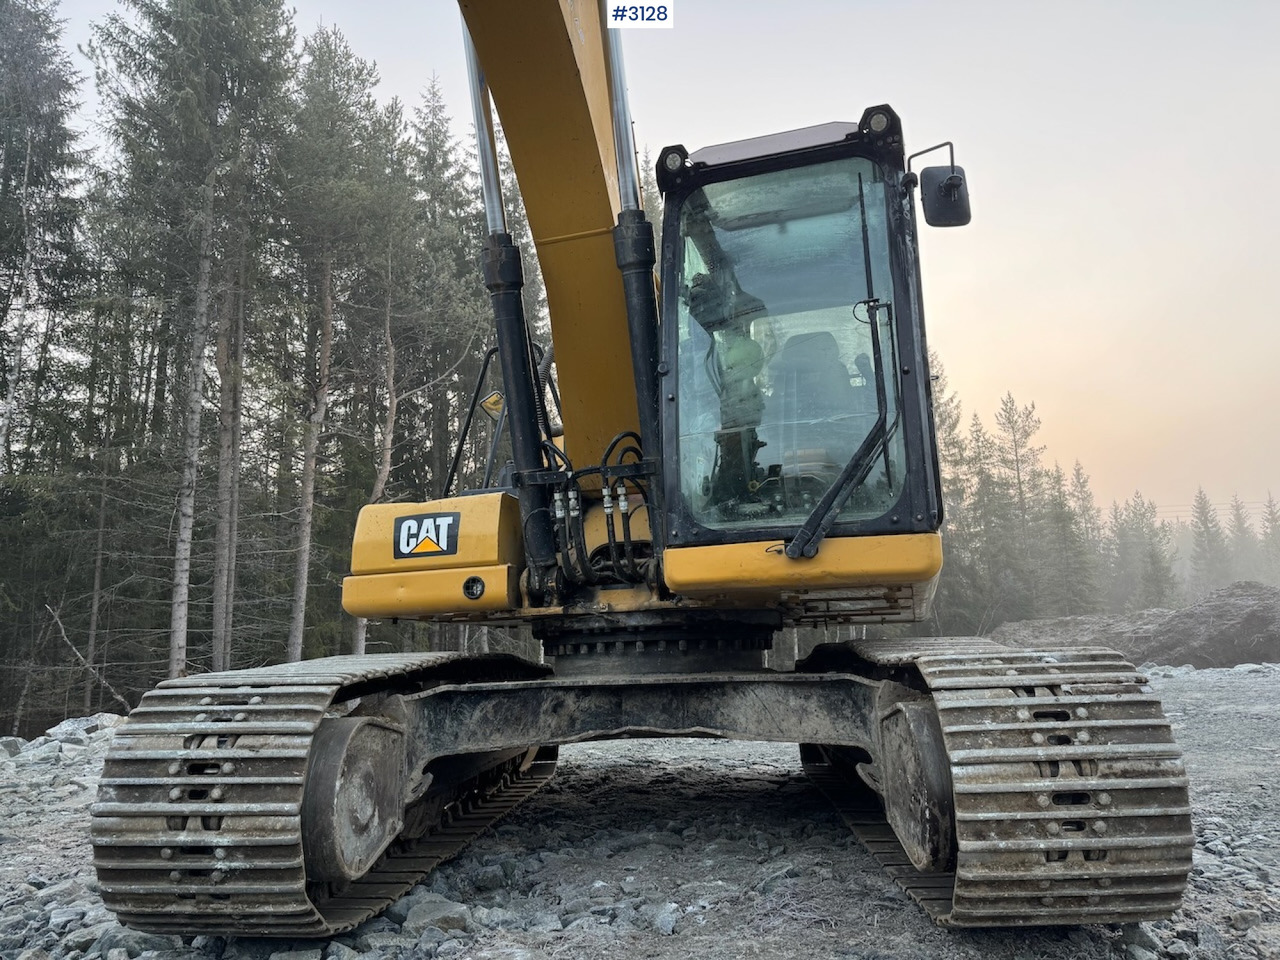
1239, 623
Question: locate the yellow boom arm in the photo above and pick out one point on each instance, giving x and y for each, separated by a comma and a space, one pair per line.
545, 64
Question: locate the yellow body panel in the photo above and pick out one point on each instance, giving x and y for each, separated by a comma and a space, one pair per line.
487, 533
596, 533
431, 593
544, 61
762, 567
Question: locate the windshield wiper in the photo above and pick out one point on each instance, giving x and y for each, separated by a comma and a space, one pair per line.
823, 516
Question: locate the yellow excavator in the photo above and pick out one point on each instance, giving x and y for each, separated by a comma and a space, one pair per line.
741, 444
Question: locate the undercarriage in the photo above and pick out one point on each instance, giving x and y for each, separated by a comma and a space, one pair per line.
996, 786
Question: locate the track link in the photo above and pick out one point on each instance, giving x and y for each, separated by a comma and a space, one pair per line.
198, 826
1070, 795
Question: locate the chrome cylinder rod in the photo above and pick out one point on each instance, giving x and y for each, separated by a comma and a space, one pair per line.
624, 141
495, 215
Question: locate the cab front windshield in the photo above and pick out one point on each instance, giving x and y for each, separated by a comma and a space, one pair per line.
786, 352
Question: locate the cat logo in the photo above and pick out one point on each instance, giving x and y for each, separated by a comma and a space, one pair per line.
426, 535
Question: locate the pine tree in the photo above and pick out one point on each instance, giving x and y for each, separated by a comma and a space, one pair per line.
1210, 558
328, 167
39, 208
443, 348
952, 611
651, 197
1242, 543
1269, 545
1000, 590
1065, 559
1016, 427
1139, 557
181, 85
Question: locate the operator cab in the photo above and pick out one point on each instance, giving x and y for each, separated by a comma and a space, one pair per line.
794, 334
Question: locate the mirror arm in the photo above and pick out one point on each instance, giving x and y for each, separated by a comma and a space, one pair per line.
951, 150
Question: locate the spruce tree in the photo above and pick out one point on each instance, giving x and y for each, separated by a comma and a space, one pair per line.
39, 211
1210, 558
1242, 543
1269, 542
328, 165
182, 82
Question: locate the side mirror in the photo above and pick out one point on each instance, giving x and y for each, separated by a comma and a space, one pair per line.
945, 196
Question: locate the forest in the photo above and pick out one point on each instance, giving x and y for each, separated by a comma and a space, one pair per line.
253, 306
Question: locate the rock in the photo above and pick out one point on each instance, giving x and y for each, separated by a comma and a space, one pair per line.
380, 940
85, 937
489, 878
116, 937
339, 951
444, 914
62, 917
364, 934
1135, 952
1211, 945
544, 922
75, 727
117, 953
1244, 919
64, 891
42, 750
312, 953
32, 955
497, 918
73, 751
11, 746
1139, 934
432, 937
78, 729
1177, 950
398, 912
666, 919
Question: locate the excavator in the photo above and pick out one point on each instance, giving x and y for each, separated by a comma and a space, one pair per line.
737, 439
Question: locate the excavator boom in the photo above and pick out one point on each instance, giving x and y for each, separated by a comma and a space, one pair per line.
546, 66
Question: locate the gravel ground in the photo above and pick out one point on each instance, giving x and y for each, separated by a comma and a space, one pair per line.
679, 849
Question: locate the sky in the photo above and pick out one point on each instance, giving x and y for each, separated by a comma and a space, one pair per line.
1118, 270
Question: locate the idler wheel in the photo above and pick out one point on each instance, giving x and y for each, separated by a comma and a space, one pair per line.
353, 805
915, 776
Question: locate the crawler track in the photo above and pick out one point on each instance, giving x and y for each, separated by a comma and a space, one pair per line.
198, 825
1070, 795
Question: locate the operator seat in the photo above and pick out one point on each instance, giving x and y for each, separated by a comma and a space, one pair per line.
809, 420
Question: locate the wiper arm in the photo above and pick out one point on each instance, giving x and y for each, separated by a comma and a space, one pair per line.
819, 522
823, 516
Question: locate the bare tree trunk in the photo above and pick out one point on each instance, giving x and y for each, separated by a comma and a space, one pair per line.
361, 629
310, 444
24, 277
91, 646
191, 445
229, 362
237, 434
22, 700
